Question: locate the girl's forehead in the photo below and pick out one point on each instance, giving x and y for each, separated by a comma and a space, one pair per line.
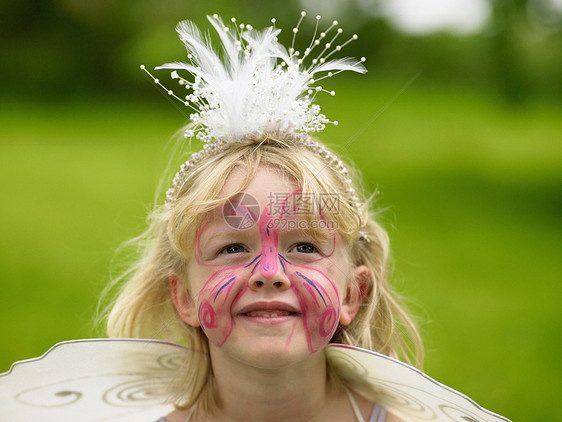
266, 179
243, 201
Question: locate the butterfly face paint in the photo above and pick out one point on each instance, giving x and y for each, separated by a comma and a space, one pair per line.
275, 265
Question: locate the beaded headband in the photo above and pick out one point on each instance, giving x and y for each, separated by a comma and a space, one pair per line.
257, 86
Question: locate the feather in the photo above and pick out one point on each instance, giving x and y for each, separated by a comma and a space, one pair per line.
228, 44
255, 85
340, 64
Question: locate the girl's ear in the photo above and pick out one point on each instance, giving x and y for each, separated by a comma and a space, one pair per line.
355, 294
183, 302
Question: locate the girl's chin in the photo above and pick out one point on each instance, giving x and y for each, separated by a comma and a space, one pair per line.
267, 352
273, 360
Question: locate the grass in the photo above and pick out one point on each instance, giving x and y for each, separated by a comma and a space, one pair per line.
472, 198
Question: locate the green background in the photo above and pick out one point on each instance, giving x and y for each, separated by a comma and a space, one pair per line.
460, 138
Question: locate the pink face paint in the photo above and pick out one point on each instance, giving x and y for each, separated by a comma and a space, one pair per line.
215, 301
317, 295
269, 237
319, 301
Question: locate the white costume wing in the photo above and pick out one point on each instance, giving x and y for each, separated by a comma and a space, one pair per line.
402, 389
114, 380
122, 380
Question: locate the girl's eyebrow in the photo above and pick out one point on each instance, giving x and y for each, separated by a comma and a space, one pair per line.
210, 234
290, 229
223, 230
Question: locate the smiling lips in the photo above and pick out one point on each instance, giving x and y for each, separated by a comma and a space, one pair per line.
267, 314
268, 310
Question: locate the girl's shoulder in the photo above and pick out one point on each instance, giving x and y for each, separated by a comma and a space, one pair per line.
378, 414
393, 418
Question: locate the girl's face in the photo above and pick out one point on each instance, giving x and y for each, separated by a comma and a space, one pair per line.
262, 289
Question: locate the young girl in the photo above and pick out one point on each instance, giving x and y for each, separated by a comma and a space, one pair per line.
264, 260
265, 251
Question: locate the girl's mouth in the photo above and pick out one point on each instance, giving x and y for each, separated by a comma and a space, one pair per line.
265, 312
268, 314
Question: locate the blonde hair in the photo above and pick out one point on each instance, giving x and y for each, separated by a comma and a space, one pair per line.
144, 308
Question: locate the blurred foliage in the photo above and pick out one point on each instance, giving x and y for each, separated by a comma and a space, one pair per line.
58, 47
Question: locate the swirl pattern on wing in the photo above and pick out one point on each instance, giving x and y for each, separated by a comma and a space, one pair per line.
48, 396
172, 361
459, 415
147, 387
146, 391
395, 397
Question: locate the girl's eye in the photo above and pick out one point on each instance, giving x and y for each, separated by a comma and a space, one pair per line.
233, 249
304, 248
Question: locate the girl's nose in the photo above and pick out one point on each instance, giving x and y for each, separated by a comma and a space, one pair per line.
273, 279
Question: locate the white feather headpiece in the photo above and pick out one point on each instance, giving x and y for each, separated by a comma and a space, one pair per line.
254, 85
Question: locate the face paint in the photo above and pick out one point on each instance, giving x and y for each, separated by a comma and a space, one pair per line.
269, 237
215, 302
320, 306
317, 295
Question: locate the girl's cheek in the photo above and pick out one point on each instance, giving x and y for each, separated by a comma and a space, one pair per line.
320, 306
214, 304
317, 295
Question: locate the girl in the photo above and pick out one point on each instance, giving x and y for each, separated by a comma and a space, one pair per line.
264, 252
264, 259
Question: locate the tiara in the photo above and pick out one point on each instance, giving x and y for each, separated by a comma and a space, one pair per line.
255, 85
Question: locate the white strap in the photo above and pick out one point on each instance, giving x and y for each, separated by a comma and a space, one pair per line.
378, 414
190, 414
354, 405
